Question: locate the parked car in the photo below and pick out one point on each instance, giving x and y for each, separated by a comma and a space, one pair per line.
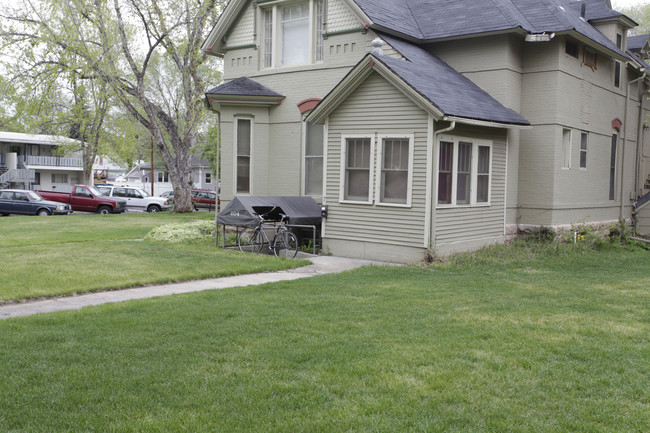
136, 198
169, 195
204, 198
24, 202
86, 198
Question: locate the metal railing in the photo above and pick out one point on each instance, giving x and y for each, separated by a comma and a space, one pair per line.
52, 161
18, 175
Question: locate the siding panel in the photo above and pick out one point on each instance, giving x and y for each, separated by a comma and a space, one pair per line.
464, 223
377, 107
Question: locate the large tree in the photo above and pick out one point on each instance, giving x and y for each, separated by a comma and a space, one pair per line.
146, 52
640, 14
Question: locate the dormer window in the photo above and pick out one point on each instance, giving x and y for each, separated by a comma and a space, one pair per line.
292, 33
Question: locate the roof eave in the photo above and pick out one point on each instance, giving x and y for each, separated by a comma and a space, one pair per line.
593, 44
216, 101
624, 20
486, 123
213, 44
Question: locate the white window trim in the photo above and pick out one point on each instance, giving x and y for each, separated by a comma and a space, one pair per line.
277, 45
380, 167
344, 157
234, 170
303, 174
473, 182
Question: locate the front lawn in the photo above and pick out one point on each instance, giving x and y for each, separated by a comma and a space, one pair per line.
30, 230
547, 345
45, 257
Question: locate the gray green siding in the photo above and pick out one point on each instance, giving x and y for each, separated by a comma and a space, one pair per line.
475, 224
377, 107
643, 221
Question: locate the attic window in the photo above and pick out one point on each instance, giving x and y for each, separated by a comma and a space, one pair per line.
591, 58
572, 48
292, 33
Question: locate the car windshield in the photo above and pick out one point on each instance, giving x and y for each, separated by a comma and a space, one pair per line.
94, 190
143, 192
33, 196
104, 191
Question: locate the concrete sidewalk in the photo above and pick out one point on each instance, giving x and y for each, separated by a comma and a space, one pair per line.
320, 265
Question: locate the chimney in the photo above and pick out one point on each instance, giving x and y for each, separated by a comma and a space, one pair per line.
583, 10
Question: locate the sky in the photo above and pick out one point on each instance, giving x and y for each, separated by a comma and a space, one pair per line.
627, 3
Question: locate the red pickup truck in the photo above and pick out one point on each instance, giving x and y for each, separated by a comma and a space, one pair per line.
86, 199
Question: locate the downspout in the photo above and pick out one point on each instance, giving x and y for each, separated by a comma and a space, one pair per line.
451, 127
218, 176
627, 100
639, 144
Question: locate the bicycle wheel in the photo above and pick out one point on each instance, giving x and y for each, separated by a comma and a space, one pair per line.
285, 244
250, 240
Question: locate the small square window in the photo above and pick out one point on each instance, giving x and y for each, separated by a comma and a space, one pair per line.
572, 48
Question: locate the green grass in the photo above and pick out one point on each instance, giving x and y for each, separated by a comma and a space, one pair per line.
45, 257
29, 230
545, 345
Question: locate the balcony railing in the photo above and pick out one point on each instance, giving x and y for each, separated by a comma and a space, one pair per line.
52, 161
18, 176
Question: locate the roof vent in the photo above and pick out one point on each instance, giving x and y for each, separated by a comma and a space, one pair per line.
377, 43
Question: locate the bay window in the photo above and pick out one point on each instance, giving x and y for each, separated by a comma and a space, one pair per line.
464, 172
292, 33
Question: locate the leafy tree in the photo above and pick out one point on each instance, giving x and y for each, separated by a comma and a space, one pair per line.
640, 14
146, 53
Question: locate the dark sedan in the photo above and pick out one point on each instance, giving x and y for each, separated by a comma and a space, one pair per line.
24, 202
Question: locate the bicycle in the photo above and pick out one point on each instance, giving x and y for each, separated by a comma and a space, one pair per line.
284, 243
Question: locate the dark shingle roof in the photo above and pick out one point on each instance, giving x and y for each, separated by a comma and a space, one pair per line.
242, 86
639, 60
430, 20
453, 93
597, 9
637, 42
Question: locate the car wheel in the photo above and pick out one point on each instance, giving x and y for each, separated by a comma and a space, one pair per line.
153, 208
104, 210
43, 212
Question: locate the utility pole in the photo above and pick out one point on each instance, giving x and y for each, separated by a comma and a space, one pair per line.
152, 166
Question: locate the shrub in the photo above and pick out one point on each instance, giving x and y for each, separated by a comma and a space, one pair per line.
177, 233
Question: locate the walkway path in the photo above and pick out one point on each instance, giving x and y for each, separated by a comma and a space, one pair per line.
320, 265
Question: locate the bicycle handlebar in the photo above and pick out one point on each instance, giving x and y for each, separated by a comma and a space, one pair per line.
263, 216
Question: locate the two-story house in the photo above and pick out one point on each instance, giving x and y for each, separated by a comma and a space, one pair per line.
441, 125
29, 161
141, 176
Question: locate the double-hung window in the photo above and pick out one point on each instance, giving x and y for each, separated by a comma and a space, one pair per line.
314, 159
357, 169
395, 161
612, 167
464, 172
584, 137
293, 33
243, 139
